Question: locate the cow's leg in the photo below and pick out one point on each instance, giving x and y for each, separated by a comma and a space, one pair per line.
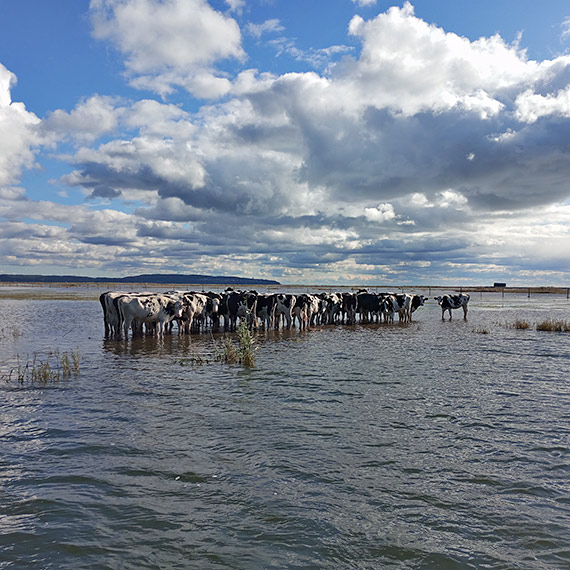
465, 312
126, 327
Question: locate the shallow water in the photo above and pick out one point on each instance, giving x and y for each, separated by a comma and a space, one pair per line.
429, 445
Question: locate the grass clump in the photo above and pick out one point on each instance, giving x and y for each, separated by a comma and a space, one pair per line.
242, 353
521, 324
42, 371
481, 330
551, 325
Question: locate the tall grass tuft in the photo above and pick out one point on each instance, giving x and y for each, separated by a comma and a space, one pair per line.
244, 352
551, 325
43, 371
246, 345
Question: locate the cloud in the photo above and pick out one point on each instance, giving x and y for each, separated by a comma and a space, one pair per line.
89, 120
19, 137
105, 192
421, 155
174, 43
363, 3
410, 66
269, 26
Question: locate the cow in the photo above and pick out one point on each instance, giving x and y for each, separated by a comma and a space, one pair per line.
242, 305
388, 307
111, 317
313, 303
367, 306
305, 309
415, 302
334, 305
405, 304
265, 309
322, 309
194, 311
156, 309
449, 302
348, 308
284, 305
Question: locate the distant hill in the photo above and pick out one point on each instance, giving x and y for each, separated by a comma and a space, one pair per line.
174, 279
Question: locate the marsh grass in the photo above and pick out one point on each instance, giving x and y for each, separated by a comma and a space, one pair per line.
521, 324
548, 325
194, 360
241, 353
551, 325
44, 370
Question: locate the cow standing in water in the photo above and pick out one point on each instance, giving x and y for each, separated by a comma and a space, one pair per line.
448, 302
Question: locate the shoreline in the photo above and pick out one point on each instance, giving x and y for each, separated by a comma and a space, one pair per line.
74, 291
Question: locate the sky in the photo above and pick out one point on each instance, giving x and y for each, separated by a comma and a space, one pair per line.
340, 142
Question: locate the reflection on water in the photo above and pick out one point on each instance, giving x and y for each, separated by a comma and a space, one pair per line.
420, 446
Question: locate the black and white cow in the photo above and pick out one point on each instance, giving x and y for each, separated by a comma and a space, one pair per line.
305, 310
449, 302
194, 311
155, 310
111, 316
403, 304
334, 306
265, 309
284, 305
235, 306
348, 308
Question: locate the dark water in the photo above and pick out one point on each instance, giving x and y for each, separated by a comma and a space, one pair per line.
430, 445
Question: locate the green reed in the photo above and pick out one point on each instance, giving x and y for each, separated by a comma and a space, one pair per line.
42, 370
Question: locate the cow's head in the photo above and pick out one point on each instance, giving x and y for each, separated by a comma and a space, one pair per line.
214, 305
175, 309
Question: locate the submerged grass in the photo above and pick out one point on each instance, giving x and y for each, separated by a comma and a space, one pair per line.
551, 325
42, 371
548, 325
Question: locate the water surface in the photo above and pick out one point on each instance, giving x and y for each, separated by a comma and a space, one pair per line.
429, 445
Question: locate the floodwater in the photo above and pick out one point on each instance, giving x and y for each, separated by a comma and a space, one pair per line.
430, 445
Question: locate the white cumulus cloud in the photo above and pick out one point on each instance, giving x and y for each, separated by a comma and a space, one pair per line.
170, 43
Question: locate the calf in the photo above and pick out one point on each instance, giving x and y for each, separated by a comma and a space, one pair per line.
448, 302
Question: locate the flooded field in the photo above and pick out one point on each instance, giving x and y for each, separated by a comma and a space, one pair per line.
428, 445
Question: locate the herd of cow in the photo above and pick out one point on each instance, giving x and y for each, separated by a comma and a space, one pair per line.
195, 312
